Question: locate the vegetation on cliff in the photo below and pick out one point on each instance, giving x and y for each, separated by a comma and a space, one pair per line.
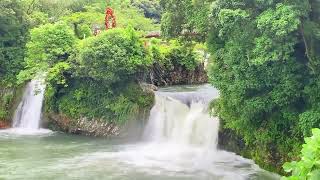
175, 62
45, 37
265, 57
101, 79
13, 31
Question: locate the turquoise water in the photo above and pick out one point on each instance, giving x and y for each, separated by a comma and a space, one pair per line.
60, 156
181, 146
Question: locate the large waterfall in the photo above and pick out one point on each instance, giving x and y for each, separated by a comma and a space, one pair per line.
180, 140
182, 118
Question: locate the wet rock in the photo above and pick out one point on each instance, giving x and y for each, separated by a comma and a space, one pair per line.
161, 76
97, 127
4, 125
148, 87
84, 126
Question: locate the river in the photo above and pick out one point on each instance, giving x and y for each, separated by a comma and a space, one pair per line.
179, 143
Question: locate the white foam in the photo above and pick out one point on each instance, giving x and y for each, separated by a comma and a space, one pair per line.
28, 113
26, 131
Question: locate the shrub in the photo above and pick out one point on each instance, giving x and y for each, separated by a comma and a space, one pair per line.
112, 56
173, 54
95, 100
49, 45
308, 168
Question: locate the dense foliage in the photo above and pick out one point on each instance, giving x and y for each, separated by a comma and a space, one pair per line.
49, 45
265, 62
99, 79
309, 165
259, 66
112, 56
175, 62
13, 32
13, 29
101, 83
184, 17
174, 54
56, 29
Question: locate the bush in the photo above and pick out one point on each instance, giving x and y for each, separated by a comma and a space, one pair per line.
49, 45
112, 56
309, 120
173, 54
308, 168
98, 80
4, 104
94, 100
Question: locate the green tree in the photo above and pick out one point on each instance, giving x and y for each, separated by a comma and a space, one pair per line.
101, 81
186, 17
112, 56
49, 45
13, 33
265, 65
82, 22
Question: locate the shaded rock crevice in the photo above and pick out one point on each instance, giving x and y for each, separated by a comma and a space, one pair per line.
178, 75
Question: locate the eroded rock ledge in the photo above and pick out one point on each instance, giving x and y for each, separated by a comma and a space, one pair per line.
160, 76
83, 126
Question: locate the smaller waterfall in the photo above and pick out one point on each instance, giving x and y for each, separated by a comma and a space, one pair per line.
28, 113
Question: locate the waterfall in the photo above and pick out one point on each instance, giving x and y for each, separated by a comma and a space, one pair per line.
180, 142
181, 137
27, 117
182, 119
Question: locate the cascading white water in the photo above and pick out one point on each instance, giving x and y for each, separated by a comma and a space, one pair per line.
189, 124
27, 117
180, 143
28, 113
181, 138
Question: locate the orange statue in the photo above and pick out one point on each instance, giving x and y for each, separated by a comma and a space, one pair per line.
110, 17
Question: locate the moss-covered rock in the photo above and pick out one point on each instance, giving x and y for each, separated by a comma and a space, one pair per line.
175, 63
9, 100
270, 159
90, 111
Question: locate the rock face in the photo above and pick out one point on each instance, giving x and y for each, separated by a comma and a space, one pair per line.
148, 87
160, 76
4, 124
83, 126
104, 127
9, 100
94, 127
230, 141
